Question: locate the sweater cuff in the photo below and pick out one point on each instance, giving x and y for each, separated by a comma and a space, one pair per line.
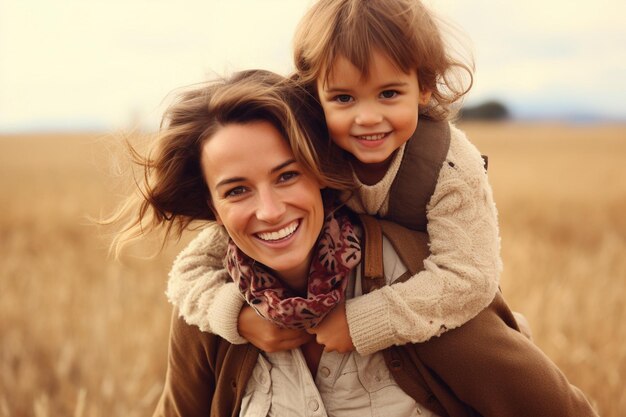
224, 313
369, 323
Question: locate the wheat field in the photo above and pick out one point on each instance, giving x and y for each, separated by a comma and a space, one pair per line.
84, 335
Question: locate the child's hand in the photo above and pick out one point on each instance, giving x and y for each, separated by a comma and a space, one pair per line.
333, 331
267, 336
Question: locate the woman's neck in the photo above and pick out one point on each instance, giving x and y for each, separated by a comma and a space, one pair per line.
297, 279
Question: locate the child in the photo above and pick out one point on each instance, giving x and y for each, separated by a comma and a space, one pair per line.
383, 77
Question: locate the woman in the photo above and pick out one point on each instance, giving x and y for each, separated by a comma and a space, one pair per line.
238, 152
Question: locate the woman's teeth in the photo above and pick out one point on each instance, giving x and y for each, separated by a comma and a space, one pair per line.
373, 137
279, 234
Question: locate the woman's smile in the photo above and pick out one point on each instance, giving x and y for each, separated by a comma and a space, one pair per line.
279, 235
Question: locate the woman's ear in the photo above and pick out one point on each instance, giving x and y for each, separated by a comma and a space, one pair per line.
217, 216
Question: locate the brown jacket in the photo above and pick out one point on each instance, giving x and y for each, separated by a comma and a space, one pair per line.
483, 368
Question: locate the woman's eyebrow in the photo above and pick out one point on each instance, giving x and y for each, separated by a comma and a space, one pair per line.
231, 180
283, 165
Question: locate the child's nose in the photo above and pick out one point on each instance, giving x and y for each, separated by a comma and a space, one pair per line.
368, 115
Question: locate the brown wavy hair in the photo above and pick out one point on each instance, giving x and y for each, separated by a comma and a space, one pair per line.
405, 30
172, 192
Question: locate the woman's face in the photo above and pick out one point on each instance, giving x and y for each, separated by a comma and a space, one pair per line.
270, 207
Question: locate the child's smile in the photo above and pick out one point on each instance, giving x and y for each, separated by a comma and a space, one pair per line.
373, 137
371, 117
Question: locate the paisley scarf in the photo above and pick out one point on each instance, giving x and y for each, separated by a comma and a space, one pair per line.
337, 252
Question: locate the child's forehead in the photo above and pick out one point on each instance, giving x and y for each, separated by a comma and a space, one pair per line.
375, 64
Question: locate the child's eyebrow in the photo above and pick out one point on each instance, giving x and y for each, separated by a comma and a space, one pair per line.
334, 89
339, 89
393, 85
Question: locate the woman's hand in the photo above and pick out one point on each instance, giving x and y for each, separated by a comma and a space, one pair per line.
267, 336
333, 331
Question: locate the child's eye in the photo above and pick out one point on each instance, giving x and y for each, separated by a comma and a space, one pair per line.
235, 192
389, 94
287, 176
343, 98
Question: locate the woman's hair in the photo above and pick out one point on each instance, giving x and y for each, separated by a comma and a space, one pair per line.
405, 30
173, 192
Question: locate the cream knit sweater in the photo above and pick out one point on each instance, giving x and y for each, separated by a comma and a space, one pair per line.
460, 277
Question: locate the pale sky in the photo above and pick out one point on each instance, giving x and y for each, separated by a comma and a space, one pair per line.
74, 64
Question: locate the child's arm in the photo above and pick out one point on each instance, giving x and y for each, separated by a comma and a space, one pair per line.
205, 296
201, 289
461, 275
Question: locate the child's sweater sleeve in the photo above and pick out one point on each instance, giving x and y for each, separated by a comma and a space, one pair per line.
202, 290
460, 277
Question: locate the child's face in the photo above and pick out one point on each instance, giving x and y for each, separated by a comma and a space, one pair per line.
371, 117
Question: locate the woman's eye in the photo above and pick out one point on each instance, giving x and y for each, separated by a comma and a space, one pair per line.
286, 176
235, 192
343, 98
389, 94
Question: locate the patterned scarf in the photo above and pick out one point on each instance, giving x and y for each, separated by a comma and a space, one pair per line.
338, 251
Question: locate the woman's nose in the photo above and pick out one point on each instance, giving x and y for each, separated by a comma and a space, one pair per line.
368, 115
271, 208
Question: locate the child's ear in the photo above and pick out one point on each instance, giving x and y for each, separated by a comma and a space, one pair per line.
424, 97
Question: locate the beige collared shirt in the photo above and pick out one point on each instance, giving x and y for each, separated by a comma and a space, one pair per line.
347, 385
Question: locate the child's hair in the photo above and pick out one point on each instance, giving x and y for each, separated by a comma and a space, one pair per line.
405, 30
173, 192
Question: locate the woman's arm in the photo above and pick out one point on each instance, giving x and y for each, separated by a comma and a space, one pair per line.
190, 381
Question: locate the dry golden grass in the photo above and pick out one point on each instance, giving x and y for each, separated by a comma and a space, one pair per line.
83, 335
